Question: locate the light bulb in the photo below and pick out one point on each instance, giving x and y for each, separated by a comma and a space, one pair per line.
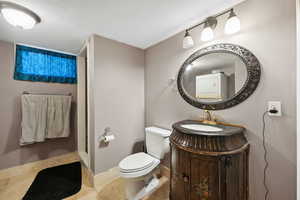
207, 34
187, 41
233, 24
18, 18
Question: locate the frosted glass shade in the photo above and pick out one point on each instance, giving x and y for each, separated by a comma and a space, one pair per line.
187, 42
207, 34
18, 18
233, 25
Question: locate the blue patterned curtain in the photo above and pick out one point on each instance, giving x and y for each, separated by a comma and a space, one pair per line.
34, 64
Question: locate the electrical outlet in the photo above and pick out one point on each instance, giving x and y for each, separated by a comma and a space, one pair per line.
275, 105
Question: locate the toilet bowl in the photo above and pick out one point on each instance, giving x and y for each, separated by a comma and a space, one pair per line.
138, 169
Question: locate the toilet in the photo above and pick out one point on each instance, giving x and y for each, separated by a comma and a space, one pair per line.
138, 169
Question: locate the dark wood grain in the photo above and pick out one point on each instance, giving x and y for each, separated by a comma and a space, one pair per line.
209, 167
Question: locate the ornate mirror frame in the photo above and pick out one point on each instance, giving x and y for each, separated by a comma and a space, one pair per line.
253, 69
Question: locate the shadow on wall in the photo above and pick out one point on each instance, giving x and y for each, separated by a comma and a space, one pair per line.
37, 151
140, 146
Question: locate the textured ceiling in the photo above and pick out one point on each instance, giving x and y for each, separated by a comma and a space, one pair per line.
140, 23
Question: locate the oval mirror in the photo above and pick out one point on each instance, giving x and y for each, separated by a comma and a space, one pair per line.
219, 76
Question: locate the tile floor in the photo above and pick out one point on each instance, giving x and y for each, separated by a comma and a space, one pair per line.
14, 182
117, 189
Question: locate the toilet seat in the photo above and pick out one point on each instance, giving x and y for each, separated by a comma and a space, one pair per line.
137, 165
136, 162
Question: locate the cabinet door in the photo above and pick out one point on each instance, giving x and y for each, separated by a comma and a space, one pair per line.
180, 172
205, 184
236, 176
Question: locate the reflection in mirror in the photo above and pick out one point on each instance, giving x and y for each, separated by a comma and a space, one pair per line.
214, 77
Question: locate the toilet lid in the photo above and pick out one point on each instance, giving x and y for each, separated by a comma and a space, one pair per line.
135, 162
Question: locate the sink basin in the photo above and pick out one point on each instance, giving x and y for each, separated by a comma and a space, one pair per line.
193, 127
200, 127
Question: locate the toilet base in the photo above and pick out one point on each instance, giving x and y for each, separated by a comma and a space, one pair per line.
138, 188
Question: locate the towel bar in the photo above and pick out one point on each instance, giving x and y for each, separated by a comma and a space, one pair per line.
69, 94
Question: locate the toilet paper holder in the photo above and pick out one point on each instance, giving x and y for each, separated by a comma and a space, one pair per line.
107, 136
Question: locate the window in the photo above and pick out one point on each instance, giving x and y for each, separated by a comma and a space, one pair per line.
34, 64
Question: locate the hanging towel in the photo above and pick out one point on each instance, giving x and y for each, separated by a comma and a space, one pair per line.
34, 114
58, 116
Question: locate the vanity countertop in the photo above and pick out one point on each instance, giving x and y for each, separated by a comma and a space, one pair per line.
226, 129
225, 140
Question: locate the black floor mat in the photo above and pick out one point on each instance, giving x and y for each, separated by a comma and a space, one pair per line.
55, 183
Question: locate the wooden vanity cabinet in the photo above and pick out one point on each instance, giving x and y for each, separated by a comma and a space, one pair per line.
199, 172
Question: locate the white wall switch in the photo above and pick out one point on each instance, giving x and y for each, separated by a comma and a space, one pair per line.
275, 105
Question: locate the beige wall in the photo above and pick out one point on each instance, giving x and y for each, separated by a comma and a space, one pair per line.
118, 99
269, 31
11, 154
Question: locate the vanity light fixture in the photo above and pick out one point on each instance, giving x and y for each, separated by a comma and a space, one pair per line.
233, 25
207, 33
18, 15
188, 41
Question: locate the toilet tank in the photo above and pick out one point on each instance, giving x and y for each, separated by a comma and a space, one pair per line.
157, 141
